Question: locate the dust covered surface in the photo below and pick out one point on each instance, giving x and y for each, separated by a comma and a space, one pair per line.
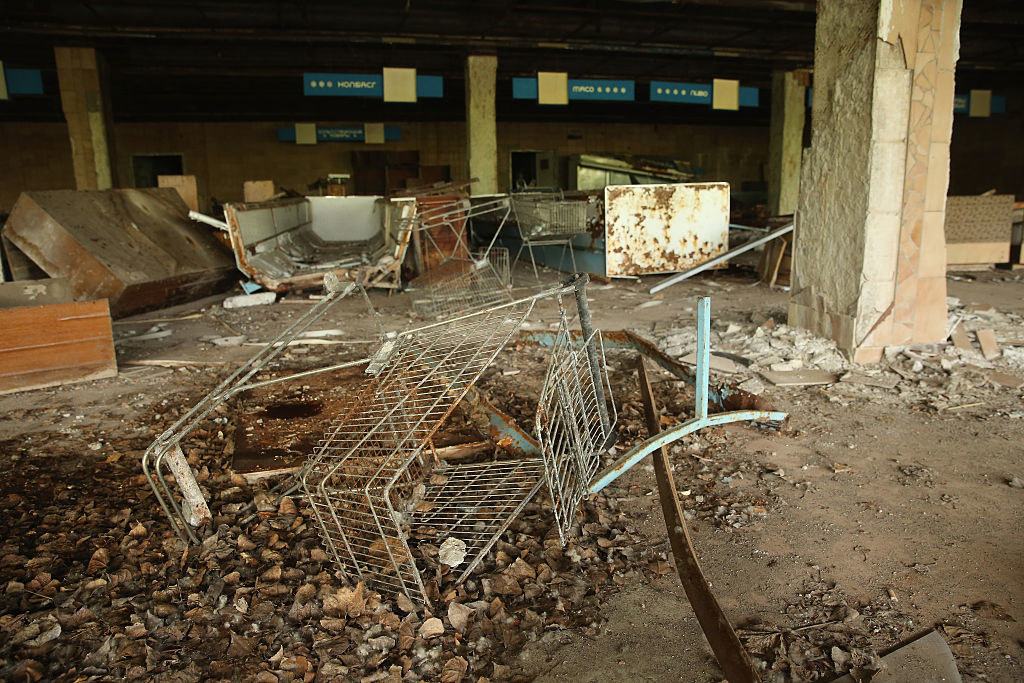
877, 512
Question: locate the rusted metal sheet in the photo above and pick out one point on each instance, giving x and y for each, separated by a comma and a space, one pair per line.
664, 228
136, 248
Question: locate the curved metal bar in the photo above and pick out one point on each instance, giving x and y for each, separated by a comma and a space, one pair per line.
641, 451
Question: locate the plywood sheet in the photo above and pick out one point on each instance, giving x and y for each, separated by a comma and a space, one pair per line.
186, 187
42, 346
137, 248
664, 228
979, 219
257, 190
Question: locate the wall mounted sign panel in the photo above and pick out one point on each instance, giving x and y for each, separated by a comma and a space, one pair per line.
339, 133
552, 87
344, 85
688, 93
600, 89
364, 85
664, 228
22, 81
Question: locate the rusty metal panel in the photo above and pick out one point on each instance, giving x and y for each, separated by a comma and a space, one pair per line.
664, 228
136, 248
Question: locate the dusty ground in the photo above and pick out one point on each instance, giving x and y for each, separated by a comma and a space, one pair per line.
876, 513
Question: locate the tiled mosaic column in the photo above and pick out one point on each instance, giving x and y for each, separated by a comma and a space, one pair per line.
869, 266
481, 123
87, 110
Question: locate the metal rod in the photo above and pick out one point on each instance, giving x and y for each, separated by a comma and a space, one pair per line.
728, 649
703, 356
721, 259
587, 328
641, 451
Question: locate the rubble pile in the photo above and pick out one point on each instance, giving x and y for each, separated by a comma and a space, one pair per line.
94, 584
936, 377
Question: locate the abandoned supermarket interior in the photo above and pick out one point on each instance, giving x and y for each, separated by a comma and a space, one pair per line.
509, 341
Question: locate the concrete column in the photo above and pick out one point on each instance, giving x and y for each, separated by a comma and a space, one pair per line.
869, 262
86, 104
481, 124
785, 143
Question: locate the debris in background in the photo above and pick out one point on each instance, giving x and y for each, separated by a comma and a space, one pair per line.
43, 346
798, 378
989, 347
246, 300
136, 248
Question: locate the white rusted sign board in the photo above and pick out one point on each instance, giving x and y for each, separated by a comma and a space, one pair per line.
664, 228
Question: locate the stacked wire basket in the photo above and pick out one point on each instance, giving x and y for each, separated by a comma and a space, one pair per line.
383, 502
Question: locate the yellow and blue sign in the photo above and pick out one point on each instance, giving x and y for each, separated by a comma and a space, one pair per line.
697, 93
23, 81
363, 85
580, 89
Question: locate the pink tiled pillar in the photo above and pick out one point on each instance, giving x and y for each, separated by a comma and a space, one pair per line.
869, 267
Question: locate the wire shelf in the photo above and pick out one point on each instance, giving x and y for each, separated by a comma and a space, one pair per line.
462, 285
476, 503
569, 423
545, 217
370, 470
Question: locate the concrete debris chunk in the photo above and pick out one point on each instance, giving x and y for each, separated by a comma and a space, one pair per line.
246, 300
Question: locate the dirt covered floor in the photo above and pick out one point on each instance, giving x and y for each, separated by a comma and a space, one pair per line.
890, 503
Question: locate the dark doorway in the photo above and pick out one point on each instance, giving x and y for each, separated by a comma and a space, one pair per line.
146, 167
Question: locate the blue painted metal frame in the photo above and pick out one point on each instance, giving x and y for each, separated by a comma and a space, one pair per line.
700, 380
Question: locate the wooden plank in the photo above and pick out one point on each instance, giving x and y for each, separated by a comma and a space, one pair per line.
52, 290
185, 185
798, 378
257, 190
42, 346
960, 338
989, 346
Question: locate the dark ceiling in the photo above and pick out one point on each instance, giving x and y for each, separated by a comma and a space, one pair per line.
227, 59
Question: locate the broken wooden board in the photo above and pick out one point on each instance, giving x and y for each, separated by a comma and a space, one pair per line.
257, 190
1005, 380
136, 248
989, 346
185, 186
45, 346
55, 290
798, 378
978, 229
718, 363
960, 338
870, 380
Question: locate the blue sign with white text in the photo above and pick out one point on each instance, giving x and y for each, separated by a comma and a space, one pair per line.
689, 93
338, 133
599, 89
351, 85
364, 85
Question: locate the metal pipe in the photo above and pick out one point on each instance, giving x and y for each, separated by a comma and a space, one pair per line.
721, 259
703, 356
587, 328
209, 220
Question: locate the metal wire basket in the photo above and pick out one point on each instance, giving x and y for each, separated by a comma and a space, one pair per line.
543, 217
371, 473
573, 423
463, 285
